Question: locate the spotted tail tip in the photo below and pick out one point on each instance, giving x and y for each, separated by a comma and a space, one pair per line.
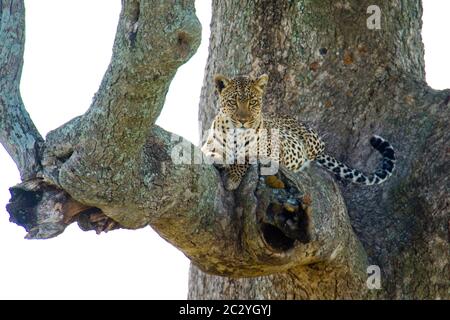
383, 147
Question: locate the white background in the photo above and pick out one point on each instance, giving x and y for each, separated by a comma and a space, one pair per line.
68, 48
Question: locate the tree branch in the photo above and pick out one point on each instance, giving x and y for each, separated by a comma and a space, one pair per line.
18, 134
152, 41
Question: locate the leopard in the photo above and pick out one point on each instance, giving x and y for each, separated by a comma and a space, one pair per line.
242, 132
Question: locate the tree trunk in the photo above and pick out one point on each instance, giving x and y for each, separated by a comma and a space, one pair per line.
327, 68
113, 167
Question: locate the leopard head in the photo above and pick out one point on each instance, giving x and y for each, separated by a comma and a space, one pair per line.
240, 99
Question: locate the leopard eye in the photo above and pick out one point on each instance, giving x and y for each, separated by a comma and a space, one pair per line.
254, 104
230, 104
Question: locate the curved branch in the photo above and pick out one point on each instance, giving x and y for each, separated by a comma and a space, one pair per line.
18, 134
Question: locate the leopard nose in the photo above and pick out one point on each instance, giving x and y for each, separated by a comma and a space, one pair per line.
243, 119
243, 116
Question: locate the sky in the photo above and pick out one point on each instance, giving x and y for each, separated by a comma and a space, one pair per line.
64, 63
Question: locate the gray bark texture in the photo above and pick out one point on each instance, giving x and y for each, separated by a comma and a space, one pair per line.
113, 167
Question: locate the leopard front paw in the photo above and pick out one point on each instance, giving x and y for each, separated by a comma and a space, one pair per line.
233, 176
231, 184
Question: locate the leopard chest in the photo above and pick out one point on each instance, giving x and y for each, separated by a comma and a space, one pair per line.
240, 142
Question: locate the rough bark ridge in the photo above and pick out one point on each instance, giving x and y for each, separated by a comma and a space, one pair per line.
328, 69
112, 166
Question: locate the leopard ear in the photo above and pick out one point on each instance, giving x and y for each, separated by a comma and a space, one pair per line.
220, 82
261, 82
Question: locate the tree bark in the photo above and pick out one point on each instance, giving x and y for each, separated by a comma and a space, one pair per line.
18, 134
114, 166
